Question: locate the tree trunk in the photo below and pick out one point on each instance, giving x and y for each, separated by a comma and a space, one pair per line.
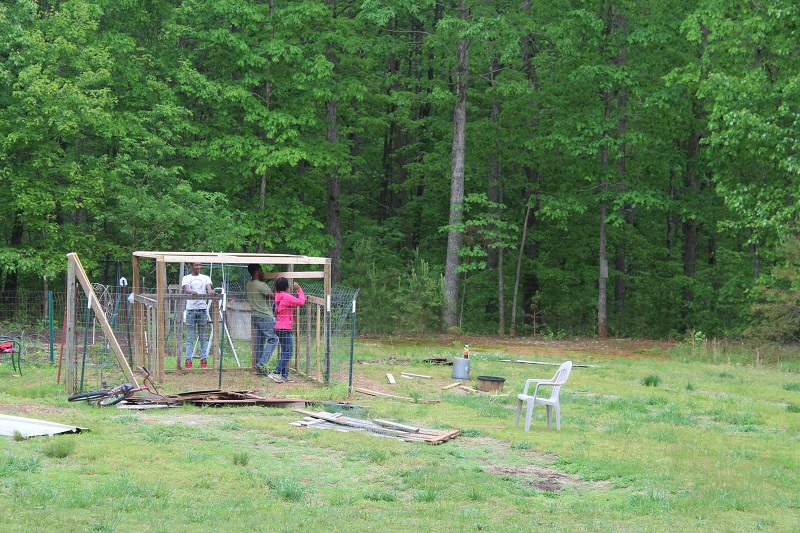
513, 330
334, 211
454, 236
690, 225
530, 280
602, 291
262, 193
494, 258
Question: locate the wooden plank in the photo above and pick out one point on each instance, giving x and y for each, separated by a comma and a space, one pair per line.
308, 308
334, 419
526, 362
161, 325
415, 375
69, 342
212, 257
391, 379
395, 425
299, 275
319, 345
376, 393
456, 384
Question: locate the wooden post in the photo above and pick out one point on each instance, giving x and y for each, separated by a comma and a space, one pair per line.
327, 297
216, 325
148, 336
180, 331
319, 323
309, 307
138, 318
296, 355
162, 319
252, 344
69, 342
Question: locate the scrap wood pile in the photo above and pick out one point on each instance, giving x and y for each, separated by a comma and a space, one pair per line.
380, 428
213, 398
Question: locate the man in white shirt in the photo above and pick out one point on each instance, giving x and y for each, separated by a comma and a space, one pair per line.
196, 313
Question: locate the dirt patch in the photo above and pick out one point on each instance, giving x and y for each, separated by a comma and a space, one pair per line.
27, 410
544, 478
540, 476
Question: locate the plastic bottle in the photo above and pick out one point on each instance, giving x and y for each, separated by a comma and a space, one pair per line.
466, 351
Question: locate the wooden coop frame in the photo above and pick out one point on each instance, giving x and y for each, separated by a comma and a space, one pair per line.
150, 311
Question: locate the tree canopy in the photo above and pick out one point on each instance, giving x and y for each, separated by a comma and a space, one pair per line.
589, 168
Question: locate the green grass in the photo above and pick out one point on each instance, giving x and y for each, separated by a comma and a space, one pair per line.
711, 446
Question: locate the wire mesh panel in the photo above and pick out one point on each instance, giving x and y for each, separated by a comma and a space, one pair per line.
322, 341
322, 346
93, 363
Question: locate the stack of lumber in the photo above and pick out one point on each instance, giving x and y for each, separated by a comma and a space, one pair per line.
380, 428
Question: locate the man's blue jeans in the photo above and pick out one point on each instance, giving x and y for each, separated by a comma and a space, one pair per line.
266, 340
196, 320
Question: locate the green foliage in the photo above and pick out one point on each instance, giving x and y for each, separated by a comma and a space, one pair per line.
395, 301
776, 310
239, 126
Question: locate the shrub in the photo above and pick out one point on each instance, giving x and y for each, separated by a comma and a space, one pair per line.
241, 458
652, 380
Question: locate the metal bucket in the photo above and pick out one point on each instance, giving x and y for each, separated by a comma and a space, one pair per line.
460, 368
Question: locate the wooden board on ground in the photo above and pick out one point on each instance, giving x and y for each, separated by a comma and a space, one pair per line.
410, 375
523, 361
385, 395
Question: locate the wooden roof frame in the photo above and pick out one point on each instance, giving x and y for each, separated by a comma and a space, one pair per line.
163, 257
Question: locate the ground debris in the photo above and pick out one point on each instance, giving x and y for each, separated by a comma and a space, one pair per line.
216, 398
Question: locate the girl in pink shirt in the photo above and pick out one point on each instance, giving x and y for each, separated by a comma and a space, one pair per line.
285, 303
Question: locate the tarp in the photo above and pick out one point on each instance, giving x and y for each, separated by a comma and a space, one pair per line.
30, 427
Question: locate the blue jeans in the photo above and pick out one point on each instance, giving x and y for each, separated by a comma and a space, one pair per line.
287, 351
196, 320
265, 333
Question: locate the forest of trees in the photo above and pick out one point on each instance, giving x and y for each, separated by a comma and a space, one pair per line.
575, 167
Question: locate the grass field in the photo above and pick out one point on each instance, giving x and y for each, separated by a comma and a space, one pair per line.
654, 437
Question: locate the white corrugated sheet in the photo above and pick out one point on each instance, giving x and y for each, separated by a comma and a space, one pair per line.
30, 427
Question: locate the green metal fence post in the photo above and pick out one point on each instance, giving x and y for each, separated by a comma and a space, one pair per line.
352, 345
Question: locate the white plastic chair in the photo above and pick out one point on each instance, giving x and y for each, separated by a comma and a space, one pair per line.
559, 379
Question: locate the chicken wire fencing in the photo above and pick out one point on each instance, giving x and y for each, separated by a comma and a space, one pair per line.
323, 343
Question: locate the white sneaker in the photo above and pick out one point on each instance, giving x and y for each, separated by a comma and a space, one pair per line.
277, 378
